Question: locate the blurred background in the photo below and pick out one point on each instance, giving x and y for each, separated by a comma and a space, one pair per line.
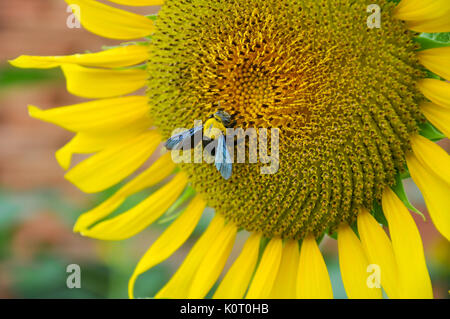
38, 207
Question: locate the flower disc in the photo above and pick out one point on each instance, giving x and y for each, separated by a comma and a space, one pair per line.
342, 95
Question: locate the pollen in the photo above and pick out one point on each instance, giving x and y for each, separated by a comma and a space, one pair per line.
342, 95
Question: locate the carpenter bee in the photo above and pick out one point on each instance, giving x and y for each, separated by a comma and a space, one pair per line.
216, 123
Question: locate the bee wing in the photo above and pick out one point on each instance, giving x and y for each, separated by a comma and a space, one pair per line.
175, 142
223, 159
219, 153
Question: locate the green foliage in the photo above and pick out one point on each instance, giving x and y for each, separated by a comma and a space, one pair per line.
51, 281
400, 191
13, 76
430, 132
442, 37
377, 212
44, 274
178, 207
433, 40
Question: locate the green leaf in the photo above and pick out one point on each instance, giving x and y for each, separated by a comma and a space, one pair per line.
433, 40
174, 211
354, 226
442, 37
400, 191
426, 43
262, 246
319, 240
332, 235
430, 132
405, 174
377, 212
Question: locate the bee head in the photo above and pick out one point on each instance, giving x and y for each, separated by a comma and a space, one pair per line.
223, 117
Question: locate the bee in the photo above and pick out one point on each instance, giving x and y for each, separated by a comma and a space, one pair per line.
218, 122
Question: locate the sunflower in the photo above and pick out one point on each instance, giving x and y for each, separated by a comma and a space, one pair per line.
358, 110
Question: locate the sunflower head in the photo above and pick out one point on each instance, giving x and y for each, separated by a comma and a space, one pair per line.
344, 110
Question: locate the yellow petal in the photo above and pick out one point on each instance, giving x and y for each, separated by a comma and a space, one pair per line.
439, 116
117, 57
109, 166
378, 249
266, 273
408, 249
425, 15
213, 262
139, 3
102, 83
140, 216
285, 285
178, 286
435, 192
173, 237
156, 173
85, 143
436, 60
235, 283
109, 22
313, 281
436, 91
353, 264
432, 156
98, 115
81, 144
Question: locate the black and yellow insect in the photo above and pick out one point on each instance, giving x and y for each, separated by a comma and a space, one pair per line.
218, 122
